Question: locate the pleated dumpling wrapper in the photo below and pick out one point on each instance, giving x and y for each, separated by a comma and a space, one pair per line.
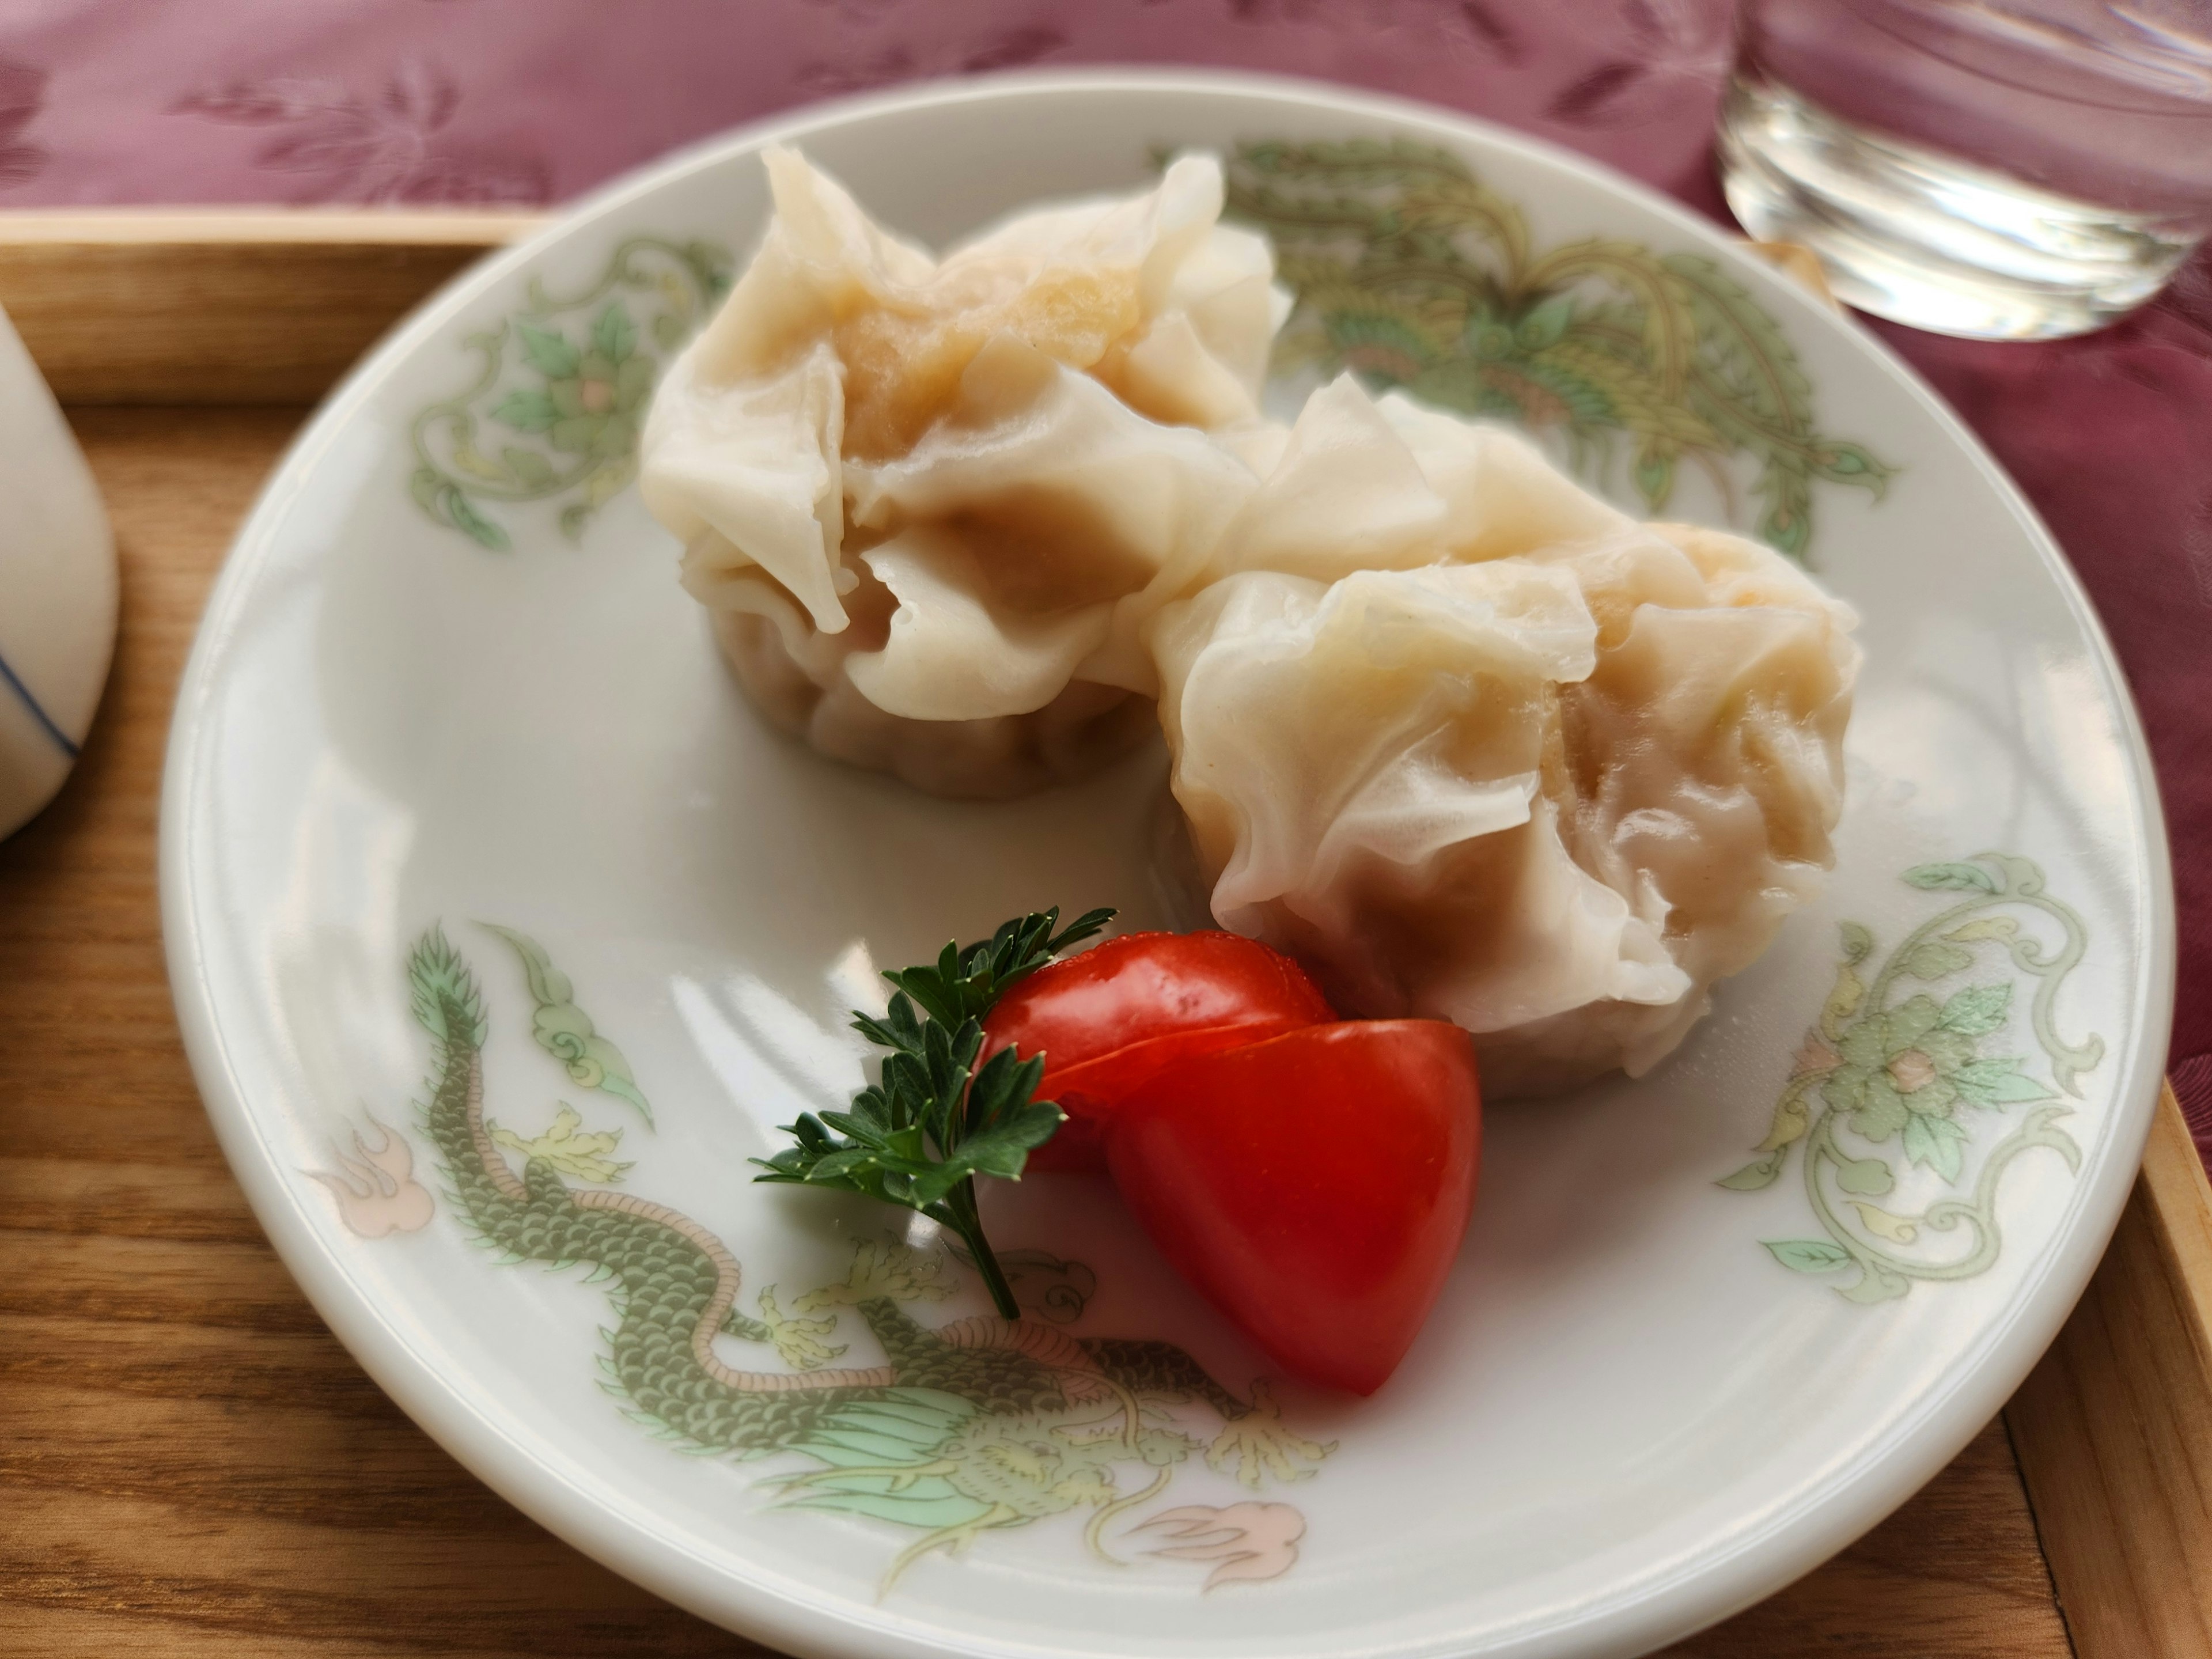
1550, 774
930, 503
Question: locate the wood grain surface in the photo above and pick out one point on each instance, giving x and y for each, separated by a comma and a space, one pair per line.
2115, 1425
138, 306
189, 1465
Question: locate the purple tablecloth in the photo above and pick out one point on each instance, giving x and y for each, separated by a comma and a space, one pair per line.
484, 101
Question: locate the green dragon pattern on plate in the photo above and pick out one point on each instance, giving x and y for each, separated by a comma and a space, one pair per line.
561, 392
1413, 272
970, 1427
1904, 1062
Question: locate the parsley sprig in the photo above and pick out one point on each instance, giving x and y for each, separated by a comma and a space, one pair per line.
921, 1136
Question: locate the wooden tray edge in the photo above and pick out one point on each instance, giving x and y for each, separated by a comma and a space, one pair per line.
2113, 1428
222, 306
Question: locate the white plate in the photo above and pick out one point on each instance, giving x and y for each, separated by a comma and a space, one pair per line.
1642, 1402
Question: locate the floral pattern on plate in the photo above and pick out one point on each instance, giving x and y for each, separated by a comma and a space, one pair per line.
1892, 1079
561, 393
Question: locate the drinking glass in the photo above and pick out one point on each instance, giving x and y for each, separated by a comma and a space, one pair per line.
2000, 169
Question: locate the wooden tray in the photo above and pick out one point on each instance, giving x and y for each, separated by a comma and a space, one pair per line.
189, 1462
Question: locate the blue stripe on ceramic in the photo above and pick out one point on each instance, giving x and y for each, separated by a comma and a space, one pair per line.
37, 713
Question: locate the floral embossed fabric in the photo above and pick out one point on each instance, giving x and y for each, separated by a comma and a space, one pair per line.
519, 102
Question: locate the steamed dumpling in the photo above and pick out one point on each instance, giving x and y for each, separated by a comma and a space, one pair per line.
1549, 776
989, 636
950, 493
1372, 771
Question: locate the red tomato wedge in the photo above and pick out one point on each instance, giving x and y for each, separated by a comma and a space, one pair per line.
1315, 1186
1109, 1019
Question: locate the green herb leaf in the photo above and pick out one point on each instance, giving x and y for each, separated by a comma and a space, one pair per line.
920, 1136
898, 1029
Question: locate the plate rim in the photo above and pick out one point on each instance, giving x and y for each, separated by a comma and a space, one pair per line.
1648, 1614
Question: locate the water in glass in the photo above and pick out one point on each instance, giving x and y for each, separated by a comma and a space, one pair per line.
2010, 169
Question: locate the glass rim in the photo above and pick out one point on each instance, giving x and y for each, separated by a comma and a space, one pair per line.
2076, 51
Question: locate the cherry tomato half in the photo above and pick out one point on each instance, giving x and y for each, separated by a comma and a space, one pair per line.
1315, 1186
1108, 1019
